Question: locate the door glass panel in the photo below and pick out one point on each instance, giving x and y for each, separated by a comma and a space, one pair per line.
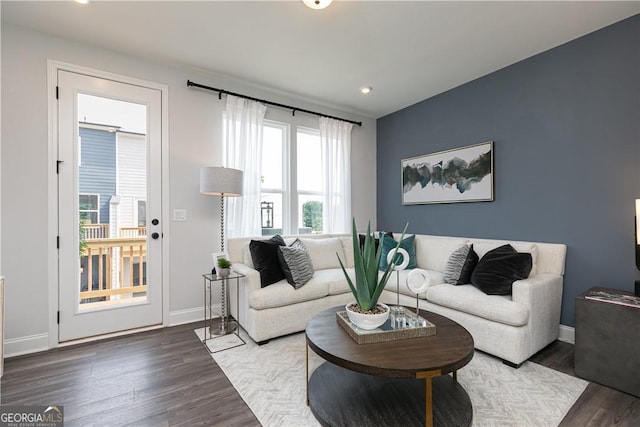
112, 188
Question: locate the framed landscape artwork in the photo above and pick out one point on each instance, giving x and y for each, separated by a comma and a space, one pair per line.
459, 175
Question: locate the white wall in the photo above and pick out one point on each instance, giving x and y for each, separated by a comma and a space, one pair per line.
194, 141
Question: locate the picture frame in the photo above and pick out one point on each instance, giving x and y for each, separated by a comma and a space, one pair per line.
216, 256
463, 174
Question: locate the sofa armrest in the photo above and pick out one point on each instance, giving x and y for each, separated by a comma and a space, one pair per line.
542, 295
251, 279
247, 284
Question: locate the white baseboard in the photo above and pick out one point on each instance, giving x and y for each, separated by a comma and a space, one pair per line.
567, 334
189, 315
26, 345
34, 343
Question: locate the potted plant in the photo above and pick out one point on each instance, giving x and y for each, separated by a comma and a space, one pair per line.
224, 267
366, 312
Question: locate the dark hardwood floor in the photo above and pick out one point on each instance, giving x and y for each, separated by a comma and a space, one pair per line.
598, 405
157, 378
167, 378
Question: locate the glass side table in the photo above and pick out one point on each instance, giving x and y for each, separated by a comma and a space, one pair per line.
218, 325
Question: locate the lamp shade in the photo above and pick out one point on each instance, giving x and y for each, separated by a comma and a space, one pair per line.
317, 4
219, 181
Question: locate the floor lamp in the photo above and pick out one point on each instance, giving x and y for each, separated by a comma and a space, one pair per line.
223, 182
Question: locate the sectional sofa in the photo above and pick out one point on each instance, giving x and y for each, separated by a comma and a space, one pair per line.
512, 327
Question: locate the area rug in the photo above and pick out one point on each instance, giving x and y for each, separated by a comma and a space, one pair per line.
271, 380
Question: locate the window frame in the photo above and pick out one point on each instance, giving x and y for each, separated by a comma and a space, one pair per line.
299, 192
286, 175
97, 210
289, 191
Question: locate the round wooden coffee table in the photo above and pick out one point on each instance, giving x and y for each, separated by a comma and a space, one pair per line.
394, 383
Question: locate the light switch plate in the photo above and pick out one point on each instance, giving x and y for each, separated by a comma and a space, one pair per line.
179, 214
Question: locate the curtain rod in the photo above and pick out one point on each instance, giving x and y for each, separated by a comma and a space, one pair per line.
264, 101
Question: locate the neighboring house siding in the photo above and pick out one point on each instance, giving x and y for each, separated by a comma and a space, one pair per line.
132, 176
97, 171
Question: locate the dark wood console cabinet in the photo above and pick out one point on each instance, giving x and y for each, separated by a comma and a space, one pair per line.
607, 349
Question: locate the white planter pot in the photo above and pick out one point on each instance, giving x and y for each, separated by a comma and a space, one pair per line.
368, 321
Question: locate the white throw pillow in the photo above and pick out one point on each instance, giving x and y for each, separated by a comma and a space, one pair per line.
432, 253
323, 252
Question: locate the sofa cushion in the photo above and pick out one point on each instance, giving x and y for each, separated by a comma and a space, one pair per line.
334, 278
323, 252
499, 268
282, 293
264, 254
295, 263
389, 244
482, 248
347, 247
469, 299
432, 252
460, 265
435, 278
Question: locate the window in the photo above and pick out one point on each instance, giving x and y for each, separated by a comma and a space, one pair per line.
274, 200
309, 167
292, 194
142, 213
89, 208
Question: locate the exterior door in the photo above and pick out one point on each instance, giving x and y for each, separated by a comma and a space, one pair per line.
109, 206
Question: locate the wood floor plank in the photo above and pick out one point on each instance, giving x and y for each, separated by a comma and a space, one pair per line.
166, 377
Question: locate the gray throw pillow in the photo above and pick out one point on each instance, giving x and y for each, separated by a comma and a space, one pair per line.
460, 265
295, 263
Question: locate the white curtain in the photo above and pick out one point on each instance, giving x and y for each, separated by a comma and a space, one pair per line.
335, 138
242, 135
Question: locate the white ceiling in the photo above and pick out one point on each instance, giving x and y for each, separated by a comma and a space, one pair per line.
406, 50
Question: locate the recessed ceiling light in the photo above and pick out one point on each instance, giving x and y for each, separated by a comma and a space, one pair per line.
82, 1
365, 90
317, 4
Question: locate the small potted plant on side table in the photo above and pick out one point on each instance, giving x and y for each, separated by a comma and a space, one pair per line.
224, 267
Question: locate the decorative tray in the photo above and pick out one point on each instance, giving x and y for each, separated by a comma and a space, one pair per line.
386, 332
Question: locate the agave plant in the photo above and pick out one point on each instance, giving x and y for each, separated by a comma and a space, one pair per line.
368, 285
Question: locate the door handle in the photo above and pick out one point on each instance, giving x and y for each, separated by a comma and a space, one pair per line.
154, 235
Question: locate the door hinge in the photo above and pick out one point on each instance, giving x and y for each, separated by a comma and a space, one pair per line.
58, 163
58, 242
57, 92
58, 317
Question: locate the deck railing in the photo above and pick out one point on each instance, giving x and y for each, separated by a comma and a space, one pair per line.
95, 231
133, 231
116, 260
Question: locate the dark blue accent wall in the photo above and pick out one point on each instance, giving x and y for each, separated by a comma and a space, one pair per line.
566, 126
97, 171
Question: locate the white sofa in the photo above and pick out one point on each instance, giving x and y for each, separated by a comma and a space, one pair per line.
511, 327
